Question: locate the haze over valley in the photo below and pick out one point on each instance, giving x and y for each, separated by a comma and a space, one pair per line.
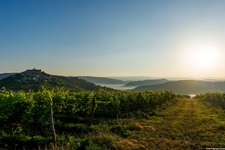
34, 78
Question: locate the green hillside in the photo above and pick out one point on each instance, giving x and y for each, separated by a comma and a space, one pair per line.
34, 79
186, 87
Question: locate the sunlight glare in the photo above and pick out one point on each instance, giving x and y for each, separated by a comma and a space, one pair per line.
203, 57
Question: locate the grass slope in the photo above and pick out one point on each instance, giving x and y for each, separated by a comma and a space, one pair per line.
187, 125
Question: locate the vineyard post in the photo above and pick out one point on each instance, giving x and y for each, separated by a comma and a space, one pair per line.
53, 127
93, 105
52, 121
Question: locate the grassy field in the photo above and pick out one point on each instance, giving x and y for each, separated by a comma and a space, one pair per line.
189, 124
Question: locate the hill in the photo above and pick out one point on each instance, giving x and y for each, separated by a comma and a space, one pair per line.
5, 75
132, 78
34, 79
186, 87
146, 82
101, 80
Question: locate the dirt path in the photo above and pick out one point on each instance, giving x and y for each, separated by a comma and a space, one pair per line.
189, 124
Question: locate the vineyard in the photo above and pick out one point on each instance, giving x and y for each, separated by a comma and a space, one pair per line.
216, 99
74, 120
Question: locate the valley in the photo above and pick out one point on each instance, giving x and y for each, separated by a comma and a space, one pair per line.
105, 113
19, 81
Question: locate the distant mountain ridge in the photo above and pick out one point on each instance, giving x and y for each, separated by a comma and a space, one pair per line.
146, 82
34, 79
132, 78
186, 87
5, 75
101, 80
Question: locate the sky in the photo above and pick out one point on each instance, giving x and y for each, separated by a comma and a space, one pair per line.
155, 38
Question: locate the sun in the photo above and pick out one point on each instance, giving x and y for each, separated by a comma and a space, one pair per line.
203, 57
